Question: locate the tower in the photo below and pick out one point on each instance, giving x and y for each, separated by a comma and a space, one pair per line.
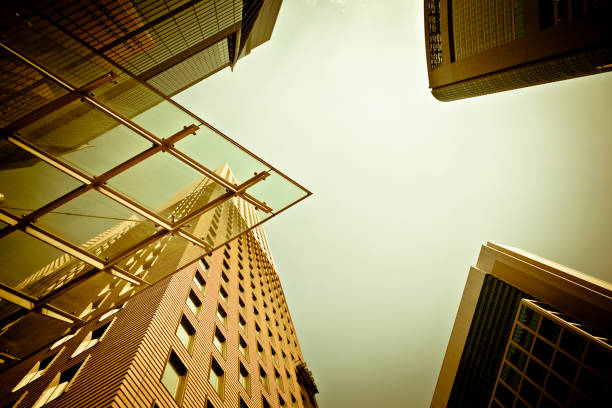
528, 333
481, 47
218, 333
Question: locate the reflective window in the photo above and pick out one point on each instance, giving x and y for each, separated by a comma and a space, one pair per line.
219, 341
36, 371
92, 338
58, 385
217, 377
174, 376
193, 303
186, 333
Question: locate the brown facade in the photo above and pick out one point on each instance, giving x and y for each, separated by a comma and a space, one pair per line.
124, 369
481, 47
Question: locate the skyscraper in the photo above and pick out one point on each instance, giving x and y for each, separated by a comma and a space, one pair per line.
481, 47
168, 44
528, 333
218, 333
109, 186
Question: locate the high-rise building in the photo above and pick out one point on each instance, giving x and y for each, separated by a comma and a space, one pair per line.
480, 47
108, 186
528, 333
218, 333
169, 44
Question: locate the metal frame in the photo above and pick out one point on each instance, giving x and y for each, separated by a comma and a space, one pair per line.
10, 133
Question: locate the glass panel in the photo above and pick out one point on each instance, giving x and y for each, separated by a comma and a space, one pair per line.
158, 259
7, 308
85, 137
47, 330
50, 47
22, 90
167, 186
33, 267
529, 317
164, 119
277, 192
522, 337
92, 297
572, 343
184, 334
192, 304
28, 183
171, 378
214, 151
98, 224
128, 97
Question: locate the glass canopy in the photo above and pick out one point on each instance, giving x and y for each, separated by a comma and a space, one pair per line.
107, 185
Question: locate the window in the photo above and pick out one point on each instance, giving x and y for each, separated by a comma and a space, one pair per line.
186, 333
225, 264
244, 378
226, 254
63, 340
224, 277
219, 341
257, 328
194, 303
223, 294
279, 379
174, 376
243, 404
221, 315
281, 401
92, 338
263, 377
243, 347
294, 403
36, 371
199, 282
58, 385
111, 312
216, 377
261, 352
204, 265
242, 324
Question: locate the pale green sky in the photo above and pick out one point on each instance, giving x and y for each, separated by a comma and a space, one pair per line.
406, 188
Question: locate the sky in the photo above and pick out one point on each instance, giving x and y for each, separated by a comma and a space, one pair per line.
405, 188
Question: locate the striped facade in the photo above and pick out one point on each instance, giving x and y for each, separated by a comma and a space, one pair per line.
125, 368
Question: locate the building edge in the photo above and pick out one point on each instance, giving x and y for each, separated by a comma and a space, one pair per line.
577, 294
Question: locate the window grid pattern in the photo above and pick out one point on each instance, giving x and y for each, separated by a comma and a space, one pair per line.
479, 25
549, 362
149, 32
192, 70
557, 69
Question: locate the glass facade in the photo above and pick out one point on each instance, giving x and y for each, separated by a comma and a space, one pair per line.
551, 360
479, 25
